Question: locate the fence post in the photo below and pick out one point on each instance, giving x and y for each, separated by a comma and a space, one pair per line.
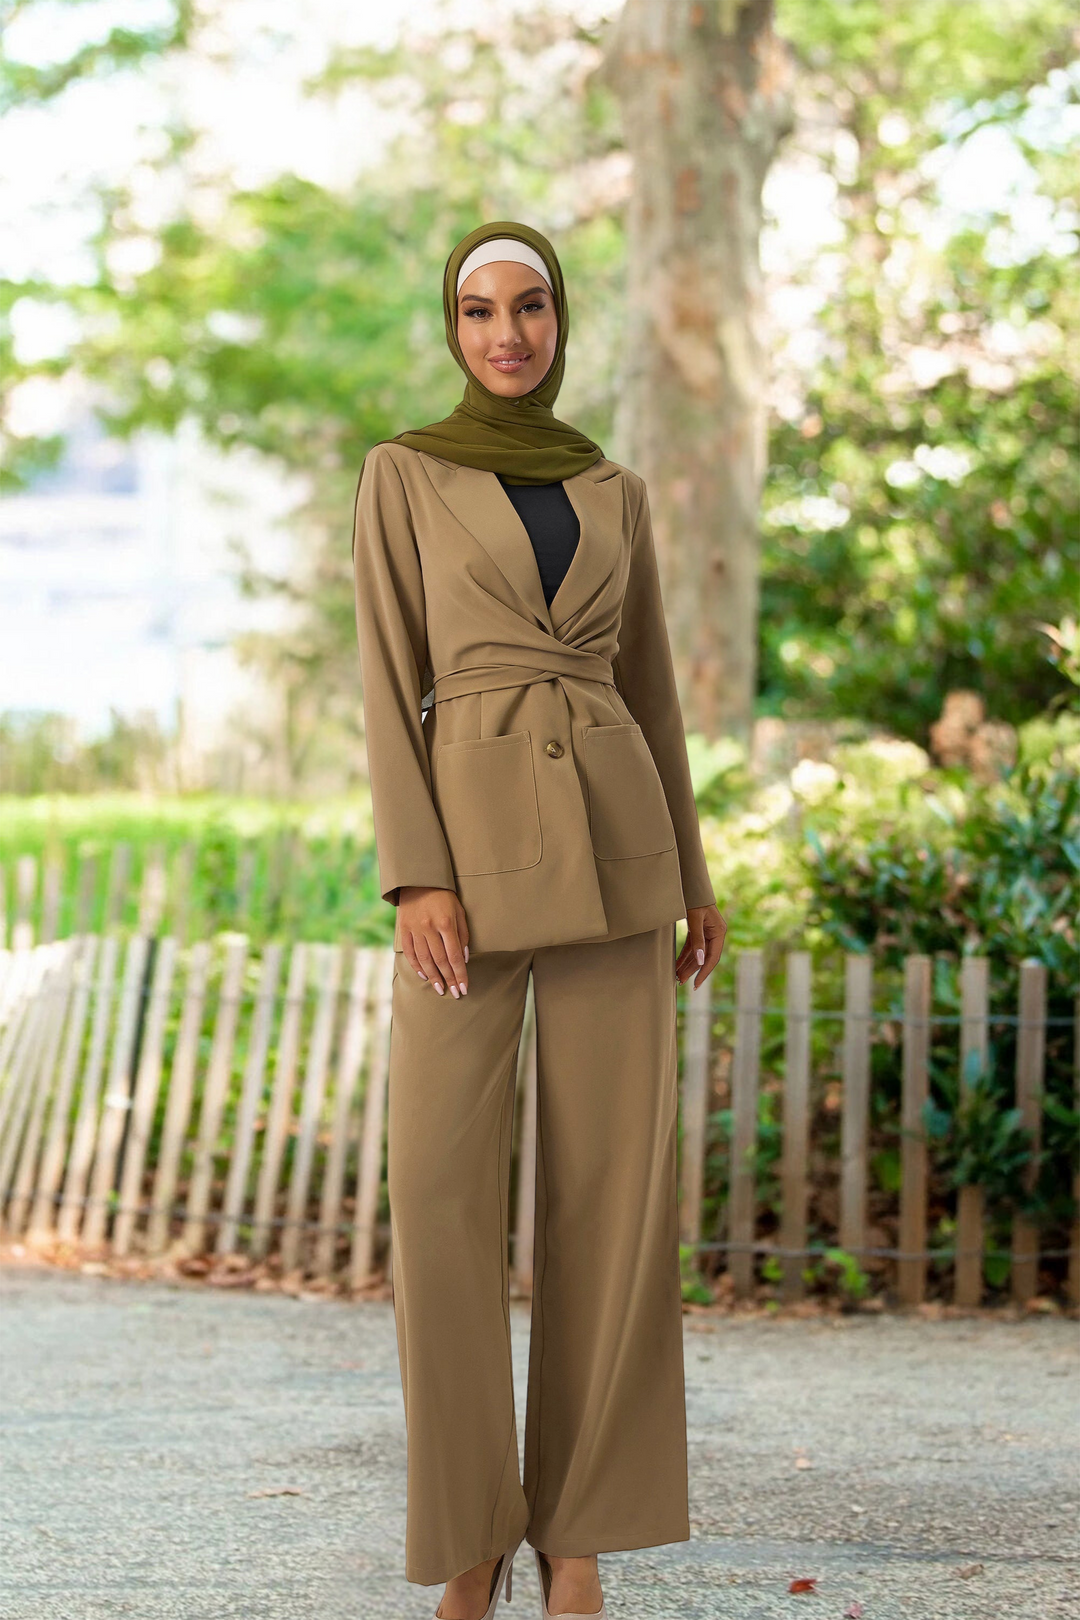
85, 894
744, 1099
152, 891
369, 1177
116, 893
181, 1092
28, 969
144, 1101
974, 1048
52, 884
855, 1117
118, 1094
1030, 1069
25, 889
697, 1030
911, 1272
19, 1091
72, 1208
215, 1092
183, 883
262, 1019
795, 1146
57, 996
311, 1103
280, 1112
43, 1216
352, 1056
245, 886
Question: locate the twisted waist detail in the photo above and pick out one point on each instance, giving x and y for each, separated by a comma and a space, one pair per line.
579, 666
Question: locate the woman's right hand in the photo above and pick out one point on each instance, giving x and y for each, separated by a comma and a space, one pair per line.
435, 936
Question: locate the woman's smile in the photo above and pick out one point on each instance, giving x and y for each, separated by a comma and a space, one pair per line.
509, 363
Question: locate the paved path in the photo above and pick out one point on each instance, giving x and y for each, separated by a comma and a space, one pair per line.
153, 1433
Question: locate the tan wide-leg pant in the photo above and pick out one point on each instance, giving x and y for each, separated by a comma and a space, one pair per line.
605, 1427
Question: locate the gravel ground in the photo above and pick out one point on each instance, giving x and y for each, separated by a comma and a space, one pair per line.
172, 1452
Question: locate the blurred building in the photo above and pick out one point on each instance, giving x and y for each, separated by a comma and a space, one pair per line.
119, 591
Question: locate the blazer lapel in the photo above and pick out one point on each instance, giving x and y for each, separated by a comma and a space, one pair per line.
597, 497
481, 506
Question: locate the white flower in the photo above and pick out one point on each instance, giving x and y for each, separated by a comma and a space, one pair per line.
813, 779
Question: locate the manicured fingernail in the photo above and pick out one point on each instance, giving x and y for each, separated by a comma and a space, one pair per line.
422, 975
464, 988
454, 992
439, 988
701, 958
466, 953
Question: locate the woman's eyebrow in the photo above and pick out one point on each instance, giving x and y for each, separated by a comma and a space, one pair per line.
524, 294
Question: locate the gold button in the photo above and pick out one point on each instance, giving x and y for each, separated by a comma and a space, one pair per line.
554, 749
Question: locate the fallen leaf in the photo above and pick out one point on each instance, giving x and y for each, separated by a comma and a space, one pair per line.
231, 1279
804, 1583
284, 1490
193, 1265
853, 1611
966, 1571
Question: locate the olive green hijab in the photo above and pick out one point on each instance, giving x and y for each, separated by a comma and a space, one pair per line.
518, 438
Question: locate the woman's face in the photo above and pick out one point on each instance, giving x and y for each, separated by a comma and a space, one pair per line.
507, 326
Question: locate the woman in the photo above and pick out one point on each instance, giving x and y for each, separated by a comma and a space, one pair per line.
533, 814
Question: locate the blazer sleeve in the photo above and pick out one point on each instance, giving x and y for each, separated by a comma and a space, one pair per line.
645, 679
391, 626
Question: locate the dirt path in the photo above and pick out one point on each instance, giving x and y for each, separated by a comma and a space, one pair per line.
179, 1453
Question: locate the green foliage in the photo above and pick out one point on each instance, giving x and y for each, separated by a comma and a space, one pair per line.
43, 752
977, 1143
306, 322
851, 1279
270, 870
117, 49
994, 869
933, 51
695, 1291
919, 504
877, 852
954, 512
921, 507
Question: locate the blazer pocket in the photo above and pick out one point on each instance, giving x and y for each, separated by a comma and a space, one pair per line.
485, 794
628, 810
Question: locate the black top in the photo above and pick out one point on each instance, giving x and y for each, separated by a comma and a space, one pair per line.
551, 524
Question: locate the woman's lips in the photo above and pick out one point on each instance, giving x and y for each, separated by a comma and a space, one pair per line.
511, 363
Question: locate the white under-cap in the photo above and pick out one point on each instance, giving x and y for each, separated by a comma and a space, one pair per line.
501, 247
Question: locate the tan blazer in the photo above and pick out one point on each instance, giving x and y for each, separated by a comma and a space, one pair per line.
532, 760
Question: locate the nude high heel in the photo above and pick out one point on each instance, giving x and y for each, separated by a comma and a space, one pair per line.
502, 1577
545, 1586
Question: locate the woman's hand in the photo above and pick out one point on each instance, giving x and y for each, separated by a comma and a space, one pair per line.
705, 934
435, 936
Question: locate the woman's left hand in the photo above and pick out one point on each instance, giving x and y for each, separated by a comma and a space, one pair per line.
705, 934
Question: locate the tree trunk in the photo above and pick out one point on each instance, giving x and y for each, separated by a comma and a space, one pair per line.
704, 95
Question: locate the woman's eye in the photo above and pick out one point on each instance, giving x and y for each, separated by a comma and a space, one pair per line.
478, 309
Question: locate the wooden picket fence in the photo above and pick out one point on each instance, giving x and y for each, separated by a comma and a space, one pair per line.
38, 891
158, 1100
152, 889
